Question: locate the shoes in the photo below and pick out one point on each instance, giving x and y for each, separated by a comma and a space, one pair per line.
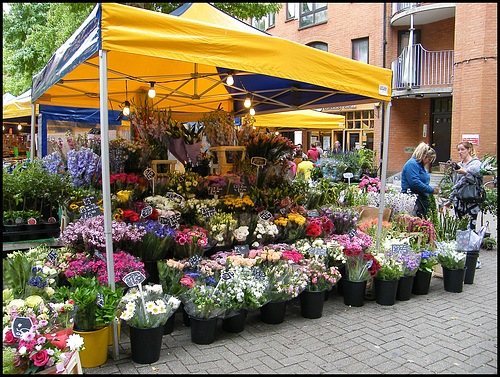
478, 265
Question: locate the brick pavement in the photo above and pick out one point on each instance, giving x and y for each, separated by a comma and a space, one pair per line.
441, 332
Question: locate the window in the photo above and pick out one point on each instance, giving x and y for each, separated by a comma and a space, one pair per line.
312, 14
404, 38
319, 45
360, 125
360, 50
291, 11
265, 22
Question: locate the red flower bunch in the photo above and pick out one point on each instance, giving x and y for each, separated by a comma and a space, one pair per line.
320, 226
314, 229
375, 267
130, 216
292, 255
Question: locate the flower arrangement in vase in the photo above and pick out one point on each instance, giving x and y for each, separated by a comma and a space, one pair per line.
286, 280
360, 266
390, 266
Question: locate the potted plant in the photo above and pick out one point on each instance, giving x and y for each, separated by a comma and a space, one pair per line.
386, 279
146, 313
453, 262
422, 281
410, 261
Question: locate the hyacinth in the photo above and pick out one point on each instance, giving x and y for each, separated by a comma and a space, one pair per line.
88, 234
83, 166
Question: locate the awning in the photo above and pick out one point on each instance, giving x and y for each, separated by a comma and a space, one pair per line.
19, 106
189, 59
301, 119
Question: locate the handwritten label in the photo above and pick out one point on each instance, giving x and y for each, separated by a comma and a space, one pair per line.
174, 197
369, 264
348, 175
284, 211
258, 161
171, 221
265, 215
313, 213
258, 274
20, 325
100, 300
352, 233
241, 249
90, 211
181, 178
195, 260
52, 256
317, 251
214, 190
399, 249
134, 278
208, 212
227, 276
147, 211
240, 188
149, 173
89, 200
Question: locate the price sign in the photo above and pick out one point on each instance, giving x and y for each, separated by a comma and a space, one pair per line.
149, 173
181, 178
265, 215
100, 300
208, 212
348, 175
20, 325
258, 274
313, 213
227, 276
171, 221
214, 190
258, 161
369, 264
195, 260
240, 188
52, 256
174, 197
317, 251
241, 249
146, 211
134, 278
89, 200
90, 211
352, 233
284, 211
399, 249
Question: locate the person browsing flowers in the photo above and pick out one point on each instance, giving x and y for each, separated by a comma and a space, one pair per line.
415, 177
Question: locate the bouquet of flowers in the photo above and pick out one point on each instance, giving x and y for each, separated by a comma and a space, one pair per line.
410, 262
189, 242
360, 266
409, 224
292, 227
370, 227
343, 219
286, 280
320, 277
428, 260
156, 243
360, 241
449, 256
221, 227
152, 310
236, 204
88, 234
83, 166
265, 232
170, 273
203, 299
370, 184
390, 266
320, 227
163, 205
305, 246
334, 252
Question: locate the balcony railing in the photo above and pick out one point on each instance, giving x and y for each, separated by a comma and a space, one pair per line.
420, 68
399, 7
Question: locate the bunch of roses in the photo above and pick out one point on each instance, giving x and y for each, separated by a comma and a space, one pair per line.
88, 234
265, 231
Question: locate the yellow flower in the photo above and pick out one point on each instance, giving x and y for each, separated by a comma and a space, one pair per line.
73, 206
124, 195
120, 211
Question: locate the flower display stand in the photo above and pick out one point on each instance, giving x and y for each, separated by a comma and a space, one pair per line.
223, 166
73, 366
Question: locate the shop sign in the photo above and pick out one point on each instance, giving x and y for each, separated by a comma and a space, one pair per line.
471, 138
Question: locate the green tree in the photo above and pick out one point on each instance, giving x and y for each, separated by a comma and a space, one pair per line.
32, 32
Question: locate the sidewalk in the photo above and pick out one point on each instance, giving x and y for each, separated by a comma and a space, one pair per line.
441, 332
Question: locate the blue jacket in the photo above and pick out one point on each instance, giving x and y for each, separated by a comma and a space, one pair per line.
416, 178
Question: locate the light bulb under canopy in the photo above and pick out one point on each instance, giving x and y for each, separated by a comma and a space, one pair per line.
152, 91
252, 111
19, 127
229, 80
247, 102
126, 109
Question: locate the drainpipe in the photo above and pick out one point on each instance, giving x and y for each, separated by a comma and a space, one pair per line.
384, 44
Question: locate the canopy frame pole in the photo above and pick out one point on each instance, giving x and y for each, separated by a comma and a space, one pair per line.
106, 189
32, 141
383, 178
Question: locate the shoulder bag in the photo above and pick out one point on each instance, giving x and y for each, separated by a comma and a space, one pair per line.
471, 192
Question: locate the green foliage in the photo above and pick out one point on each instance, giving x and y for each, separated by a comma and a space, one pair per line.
491, 203
488, 243
16, 273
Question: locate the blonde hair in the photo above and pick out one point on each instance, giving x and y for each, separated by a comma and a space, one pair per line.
424, 151
469, 146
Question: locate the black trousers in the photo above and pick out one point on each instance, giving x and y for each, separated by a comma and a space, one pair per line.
422, 206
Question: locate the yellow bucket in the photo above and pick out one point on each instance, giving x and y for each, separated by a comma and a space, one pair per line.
96, 347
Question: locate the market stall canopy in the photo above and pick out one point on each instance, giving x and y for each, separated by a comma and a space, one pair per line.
301, 119
19, 106
188, 60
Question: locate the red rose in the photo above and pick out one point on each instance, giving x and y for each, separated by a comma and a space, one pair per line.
9, 337
122, 177
40, 358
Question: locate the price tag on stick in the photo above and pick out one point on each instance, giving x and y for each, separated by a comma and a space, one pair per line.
52, 256
20, 325
195, 260
136, 278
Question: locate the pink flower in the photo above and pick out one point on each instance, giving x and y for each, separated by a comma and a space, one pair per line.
187, 281
40, 358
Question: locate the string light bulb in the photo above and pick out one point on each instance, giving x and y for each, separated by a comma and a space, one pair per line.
152, 91
247, 102
229, 79
19, 127
252, 111
126, 109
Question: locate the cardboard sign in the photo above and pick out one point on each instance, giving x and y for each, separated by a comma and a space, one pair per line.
147, 211
149, 173
195, 260
90, 211
241, 249
174, 197
265, 215
258, 161
89, 200
208, 212
20, 325
134, 278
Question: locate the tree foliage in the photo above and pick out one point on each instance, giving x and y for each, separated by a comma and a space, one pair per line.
32, 32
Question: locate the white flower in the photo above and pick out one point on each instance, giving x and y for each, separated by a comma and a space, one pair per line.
74, 342
22, 350
174, 302
150, 306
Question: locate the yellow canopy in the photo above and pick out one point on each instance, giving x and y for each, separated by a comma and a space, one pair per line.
301, 119
19, 106
188, 56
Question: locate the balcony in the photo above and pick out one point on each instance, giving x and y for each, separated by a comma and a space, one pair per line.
418, 72
423, 13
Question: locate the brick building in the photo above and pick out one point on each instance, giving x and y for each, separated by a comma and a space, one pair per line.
444, 86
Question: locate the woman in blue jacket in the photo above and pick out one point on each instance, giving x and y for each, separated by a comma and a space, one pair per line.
415, 177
